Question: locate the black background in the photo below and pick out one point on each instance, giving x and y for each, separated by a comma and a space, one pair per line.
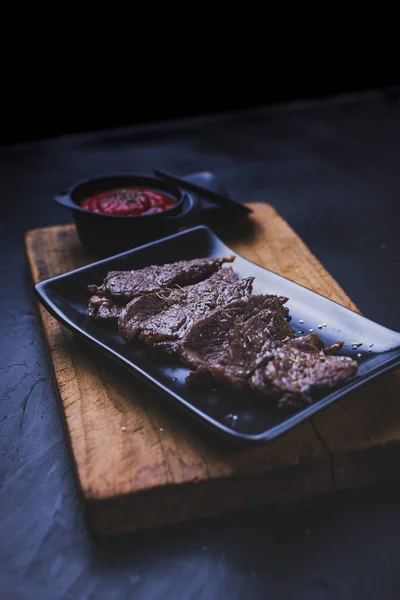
54, 106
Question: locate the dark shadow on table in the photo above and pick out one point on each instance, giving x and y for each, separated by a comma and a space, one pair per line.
297, 540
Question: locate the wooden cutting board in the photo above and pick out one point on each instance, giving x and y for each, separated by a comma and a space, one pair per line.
139, 466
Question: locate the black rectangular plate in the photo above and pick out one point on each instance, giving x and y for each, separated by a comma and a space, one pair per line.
239, 416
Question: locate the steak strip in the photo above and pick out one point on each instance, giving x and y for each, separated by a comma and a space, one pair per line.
119, 287
260, 351
139, 310
125, 285
296, 371
249, 344
161, 320
206, 342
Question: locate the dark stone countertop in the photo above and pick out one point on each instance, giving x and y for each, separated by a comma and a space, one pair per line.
332, 169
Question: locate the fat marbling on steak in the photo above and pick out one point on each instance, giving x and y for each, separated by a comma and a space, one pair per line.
119, 287
161, 320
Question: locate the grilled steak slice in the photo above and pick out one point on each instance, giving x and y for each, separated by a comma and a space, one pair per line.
163, 323
167, 329
250, 343
206, 342
122, 286
104, 309
295, 371
144, 308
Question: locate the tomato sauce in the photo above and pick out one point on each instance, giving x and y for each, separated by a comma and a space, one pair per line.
133, 201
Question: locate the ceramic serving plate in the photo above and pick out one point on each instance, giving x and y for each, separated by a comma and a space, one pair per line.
241, 416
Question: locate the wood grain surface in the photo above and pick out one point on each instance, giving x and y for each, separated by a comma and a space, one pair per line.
161, 469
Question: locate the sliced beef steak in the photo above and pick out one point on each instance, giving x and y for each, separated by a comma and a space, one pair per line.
161, 319
297, 370
241, 349
167, 329
250, 343
119, 287
122, 286
139, 310
206, 342
104, 309
207, 316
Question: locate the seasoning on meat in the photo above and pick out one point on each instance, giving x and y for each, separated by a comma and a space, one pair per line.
208, 317
261, 352
207, 340
125, 285
161, 320
294, 373
119, 287
140, 310
250, 343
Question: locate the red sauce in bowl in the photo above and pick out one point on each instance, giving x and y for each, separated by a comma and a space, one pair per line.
125, 202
